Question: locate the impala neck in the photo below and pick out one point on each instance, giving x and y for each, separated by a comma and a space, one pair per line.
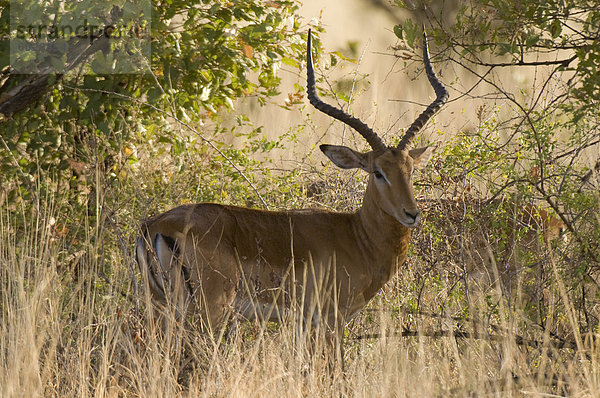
387, 238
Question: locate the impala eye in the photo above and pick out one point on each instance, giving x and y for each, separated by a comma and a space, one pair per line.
378, 174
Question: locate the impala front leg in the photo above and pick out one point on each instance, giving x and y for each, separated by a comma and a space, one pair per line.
334, 340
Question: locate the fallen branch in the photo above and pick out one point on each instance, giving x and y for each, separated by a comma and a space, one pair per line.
457, 334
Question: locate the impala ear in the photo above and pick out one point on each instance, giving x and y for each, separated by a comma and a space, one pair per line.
421, 156
345, 157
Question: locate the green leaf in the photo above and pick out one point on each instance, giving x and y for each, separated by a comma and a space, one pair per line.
154, 94
398, 31
411, 33
531, 41
555, 28
333, 60
343, 57
290, 62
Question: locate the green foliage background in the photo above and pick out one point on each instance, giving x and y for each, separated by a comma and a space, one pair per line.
205, 56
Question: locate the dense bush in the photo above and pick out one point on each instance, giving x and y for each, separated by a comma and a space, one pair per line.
204, 56
544, 150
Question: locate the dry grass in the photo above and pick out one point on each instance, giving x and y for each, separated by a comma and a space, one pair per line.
73, 323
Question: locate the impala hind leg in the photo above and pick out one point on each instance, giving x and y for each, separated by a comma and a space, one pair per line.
181, 278
213, 284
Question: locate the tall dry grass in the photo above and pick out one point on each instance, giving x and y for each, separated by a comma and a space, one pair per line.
74, 323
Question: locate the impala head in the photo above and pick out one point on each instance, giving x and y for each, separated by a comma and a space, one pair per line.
390, 168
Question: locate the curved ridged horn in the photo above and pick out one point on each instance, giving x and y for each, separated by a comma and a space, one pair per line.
364, 130
440, 91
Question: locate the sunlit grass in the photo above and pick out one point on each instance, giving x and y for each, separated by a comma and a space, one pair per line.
72, 324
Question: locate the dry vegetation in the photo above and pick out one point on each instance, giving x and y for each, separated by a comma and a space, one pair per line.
75, 320
496, 298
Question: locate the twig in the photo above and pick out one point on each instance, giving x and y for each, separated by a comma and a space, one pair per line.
561, 62
354, 84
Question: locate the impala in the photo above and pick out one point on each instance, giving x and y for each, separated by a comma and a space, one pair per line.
210, 259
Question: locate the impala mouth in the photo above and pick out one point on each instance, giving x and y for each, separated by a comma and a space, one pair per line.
408, 223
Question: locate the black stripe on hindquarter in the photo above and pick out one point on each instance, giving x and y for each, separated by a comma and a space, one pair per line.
185, 271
